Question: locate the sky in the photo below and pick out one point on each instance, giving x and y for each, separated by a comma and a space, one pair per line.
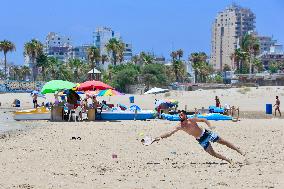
158, 26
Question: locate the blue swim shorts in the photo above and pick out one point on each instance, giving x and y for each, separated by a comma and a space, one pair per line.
206, 138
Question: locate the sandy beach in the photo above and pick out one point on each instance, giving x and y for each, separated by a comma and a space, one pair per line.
46, 156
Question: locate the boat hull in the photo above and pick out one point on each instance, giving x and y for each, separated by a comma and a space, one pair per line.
33, 114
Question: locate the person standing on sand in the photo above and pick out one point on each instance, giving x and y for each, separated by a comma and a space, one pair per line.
203, 136
218, 103
34, 95
277, 104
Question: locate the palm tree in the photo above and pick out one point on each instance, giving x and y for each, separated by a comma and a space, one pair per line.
75, 65
33, 49
173, 55
26, 72
179, 53
250, 44
198, 63
135, 59
93, 55
42, 61
6, 46
104, 58
16, 72
116, 49
146, 58
121, 49
179, 69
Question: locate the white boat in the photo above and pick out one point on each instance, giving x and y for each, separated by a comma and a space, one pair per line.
41, 113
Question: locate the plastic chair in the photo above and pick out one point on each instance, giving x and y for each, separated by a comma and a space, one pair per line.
75, 113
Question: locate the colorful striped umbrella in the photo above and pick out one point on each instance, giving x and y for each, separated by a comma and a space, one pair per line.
109, 92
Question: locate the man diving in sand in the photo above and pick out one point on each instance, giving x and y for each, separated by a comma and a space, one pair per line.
203, 136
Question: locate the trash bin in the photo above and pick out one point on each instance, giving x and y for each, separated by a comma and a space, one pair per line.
56, 113
131, 99
268, 108
92, 114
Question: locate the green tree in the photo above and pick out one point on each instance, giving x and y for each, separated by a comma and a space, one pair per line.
250, 46
33, 49
218, 78
93, 55
135, 59
173, 55
179, 70
115, 48
179, 53
257, 64
75, 68
273, 67
154, 74
199, 65
104, 58
26, 72
124, 75
42, 61
2, 75
146, 58
6, 46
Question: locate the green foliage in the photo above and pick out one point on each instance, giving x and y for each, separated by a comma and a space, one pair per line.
154, 74
6, 46
146, 58
244, 56
201, 67
257, 65
273, 67
33, 49
116, 49
179, 70
124, 75
218, 79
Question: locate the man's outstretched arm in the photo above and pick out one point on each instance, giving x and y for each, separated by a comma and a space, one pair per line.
168, 134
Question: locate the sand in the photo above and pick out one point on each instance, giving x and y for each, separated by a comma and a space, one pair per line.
46, 156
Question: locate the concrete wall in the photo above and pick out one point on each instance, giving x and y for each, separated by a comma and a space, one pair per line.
20, 86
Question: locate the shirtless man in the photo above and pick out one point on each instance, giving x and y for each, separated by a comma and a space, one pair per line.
277, 104
203, 136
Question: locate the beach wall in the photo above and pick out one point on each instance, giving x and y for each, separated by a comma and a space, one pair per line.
20, 86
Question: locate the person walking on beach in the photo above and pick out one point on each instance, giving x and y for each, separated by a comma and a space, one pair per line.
277, 106
34, 95
203, 136
217, 100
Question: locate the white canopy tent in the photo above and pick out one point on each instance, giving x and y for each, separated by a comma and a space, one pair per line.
95, 71
156, 90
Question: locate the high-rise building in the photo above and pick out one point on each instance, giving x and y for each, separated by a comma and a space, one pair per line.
102, 36
265, 42
58, 46
229, 26
81, 52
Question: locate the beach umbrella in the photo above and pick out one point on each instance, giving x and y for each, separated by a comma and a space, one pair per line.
167, 103
109, 92
93, 85
156, 90
56, 85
